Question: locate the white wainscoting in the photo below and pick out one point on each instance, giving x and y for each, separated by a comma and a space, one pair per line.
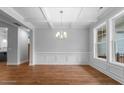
62, 58
114, 71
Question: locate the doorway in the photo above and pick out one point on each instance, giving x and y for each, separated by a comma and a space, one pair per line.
29, 48
3, 44
24, 46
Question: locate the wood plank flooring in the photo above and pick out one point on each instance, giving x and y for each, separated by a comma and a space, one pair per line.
53, 75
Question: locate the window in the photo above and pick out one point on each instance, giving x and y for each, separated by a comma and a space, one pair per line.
100, 42
118, 40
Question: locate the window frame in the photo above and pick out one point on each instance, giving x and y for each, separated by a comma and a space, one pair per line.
95, 55
111, 36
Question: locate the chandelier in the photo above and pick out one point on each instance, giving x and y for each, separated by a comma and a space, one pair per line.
61, 34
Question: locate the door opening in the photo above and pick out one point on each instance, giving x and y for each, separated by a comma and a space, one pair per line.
29, 49
24, 46
3, 45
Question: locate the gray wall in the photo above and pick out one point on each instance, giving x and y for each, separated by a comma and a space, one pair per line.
12, 53
32, 55
77, 41
23, 45
49, 50
113, 70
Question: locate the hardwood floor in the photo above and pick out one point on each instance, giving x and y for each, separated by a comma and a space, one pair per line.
52, 75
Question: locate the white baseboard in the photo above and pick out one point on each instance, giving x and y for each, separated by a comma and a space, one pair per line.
12, 63
24, 61
58, 63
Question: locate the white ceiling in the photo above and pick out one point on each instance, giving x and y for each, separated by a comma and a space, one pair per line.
69, 14
80, 17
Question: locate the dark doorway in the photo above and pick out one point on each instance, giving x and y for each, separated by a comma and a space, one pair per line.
3, 44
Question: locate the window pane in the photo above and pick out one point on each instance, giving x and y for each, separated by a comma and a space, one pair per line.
101, 52
118, 37
99, 38
101, 42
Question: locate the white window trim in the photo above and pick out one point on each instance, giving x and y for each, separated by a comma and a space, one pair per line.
111, 37
95, 40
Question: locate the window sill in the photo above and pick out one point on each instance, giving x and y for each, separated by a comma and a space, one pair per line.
101, 59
